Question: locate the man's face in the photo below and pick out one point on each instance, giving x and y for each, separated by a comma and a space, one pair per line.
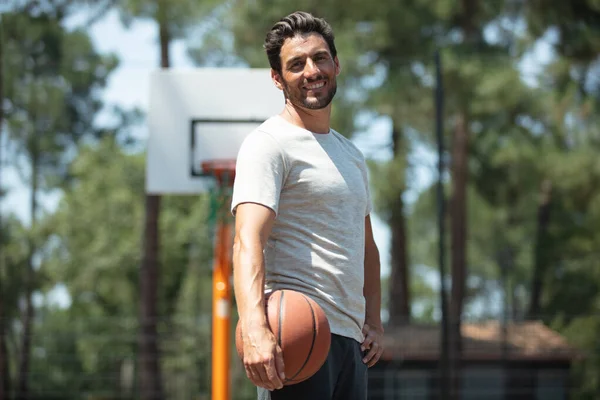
308, 71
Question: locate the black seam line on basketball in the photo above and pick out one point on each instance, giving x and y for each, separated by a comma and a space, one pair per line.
314, 339
281, 308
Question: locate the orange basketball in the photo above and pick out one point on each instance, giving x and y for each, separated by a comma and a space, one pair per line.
302, 332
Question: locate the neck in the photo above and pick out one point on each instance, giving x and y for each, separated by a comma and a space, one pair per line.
316, 121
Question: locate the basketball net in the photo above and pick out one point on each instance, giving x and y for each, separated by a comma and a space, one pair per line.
223, 172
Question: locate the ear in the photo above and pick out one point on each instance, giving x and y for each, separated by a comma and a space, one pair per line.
337, 66
276, 77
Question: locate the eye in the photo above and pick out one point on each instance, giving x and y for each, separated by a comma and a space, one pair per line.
296, 65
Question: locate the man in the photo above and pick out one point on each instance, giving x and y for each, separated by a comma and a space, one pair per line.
302, 204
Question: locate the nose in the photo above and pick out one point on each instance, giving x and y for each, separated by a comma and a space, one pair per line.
310, 69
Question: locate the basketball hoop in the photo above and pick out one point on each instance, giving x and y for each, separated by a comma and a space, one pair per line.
222, 170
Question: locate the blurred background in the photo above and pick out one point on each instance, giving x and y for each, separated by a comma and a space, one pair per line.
105, 292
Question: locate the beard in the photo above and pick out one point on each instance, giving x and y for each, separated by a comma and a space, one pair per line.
296, 97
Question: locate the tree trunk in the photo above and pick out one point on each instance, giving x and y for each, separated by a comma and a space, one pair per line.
27, 321
4, 372
515, 310
399, 306
29, 312
541, 249
458, 223
505, 260
164, 36
150, 382
150, 377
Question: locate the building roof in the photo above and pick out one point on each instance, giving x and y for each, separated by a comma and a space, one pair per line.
530, 340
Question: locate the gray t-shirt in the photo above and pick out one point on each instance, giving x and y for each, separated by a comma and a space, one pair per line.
318, 187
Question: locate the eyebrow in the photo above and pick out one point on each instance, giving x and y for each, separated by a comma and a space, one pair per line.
321, 52
293, 60
297, 58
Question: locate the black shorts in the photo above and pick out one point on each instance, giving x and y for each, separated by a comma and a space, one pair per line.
342, 377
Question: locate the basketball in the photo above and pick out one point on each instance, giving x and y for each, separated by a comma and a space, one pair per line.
302, 331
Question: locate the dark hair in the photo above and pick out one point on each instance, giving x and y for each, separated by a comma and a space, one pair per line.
297, 23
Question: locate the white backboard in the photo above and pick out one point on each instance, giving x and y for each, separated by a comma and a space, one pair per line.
198, 115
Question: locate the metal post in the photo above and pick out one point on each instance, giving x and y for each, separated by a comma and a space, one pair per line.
439, 119
221, 316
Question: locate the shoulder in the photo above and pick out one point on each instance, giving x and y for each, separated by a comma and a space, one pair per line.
263, 145
262, 138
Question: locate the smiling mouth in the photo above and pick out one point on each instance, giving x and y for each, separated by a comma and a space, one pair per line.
315, 86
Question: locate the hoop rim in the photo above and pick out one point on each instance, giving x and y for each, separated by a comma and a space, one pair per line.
222, 170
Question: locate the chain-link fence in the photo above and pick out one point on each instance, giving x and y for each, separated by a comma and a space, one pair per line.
97, 359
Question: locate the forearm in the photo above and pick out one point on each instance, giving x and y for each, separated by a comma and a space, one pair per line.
248, 282
372, 287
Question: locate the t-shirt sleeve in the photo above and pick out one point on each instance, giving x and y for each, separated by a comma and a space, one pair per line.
260, 172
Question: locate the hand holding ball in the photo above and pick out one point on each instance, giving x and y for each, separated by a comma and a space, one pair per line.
302, 332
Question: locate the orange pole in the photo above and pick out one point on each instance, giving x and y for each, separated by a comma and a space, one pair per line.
221, 312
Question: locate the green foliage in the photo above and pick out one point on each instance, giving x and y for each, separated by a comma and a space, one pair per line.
570, 300
582, 333
388, 186
178, 15
490, 235
106, 186
52, 88
13, 261
577, 23
95, 252
63, 362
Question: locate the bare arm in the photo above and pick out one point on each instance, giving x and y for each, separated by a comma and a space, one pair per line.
372, 288
253, 225
262, 357
373, 329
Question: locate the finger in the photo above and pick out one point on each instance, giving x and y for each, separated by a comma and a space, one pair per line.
253, 376
273, 375
263, 379
367, 343
376, 358
372, 352
280, 365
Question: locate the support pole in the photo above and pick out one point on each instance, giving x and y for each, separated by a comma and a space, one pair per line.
221, 321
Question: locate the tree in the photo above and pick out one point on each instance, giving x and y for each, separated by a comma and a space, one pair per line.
568, 200
13, 262
569, 75
54, 76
